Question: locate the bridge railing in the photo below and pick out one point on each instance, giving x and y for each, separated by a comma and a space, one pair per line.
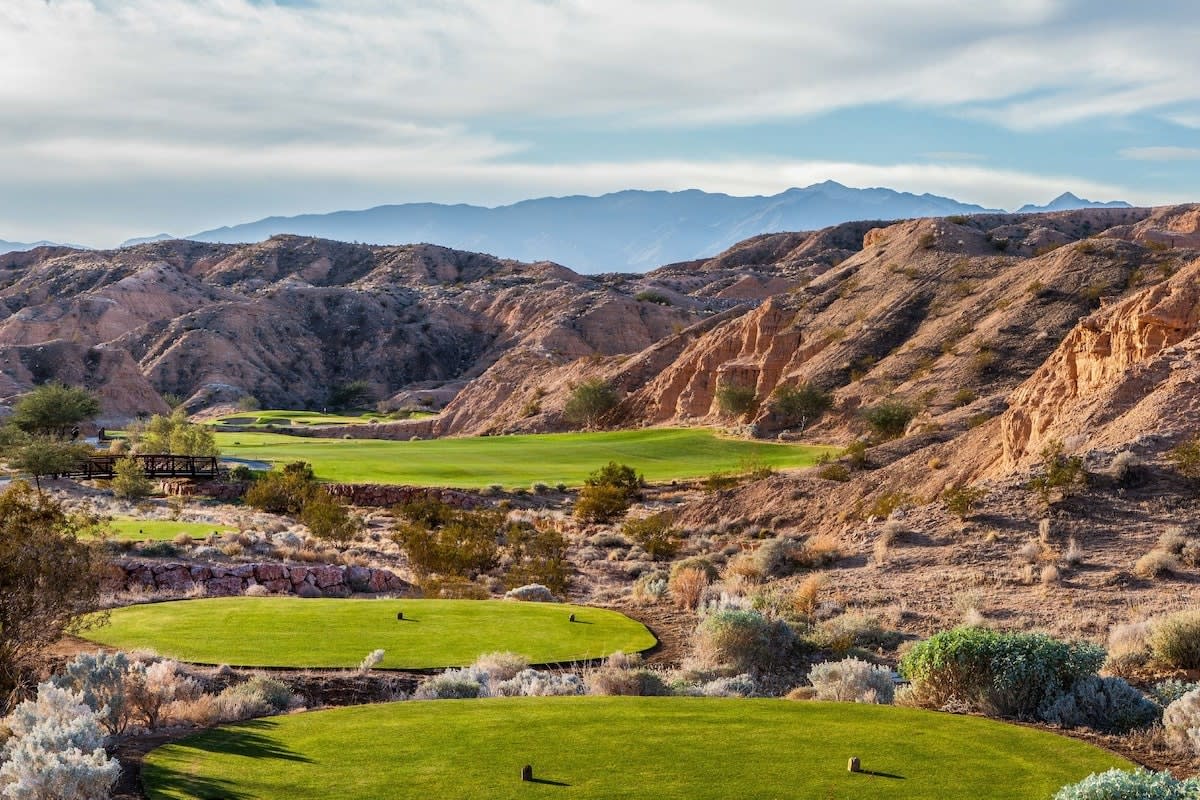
155, 465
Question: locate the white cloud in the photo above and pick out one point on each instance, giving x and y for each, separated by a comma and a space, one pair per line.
1161, 153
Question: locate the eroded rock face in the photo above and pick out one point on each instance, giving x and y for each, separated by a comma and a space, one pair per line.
1112, 372
218, 581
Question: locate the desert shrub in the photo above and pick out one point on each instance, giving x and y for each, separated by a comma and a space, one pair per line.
806, 597
649, 588
129, 480
441, 540
372, 660
455, 684
531, 593
800, 405
834, 472
961, 500
1123, 465
852, 680
150, 688
736, 401
853, 629
1138, 784
1166, 692
1108, 705
534, 683
656, 534
743, 640
775, 558
623, 676
601, 503
258, 696
590, 401
174, 434
742, 685
537, 554
1006, 674
1186, 458
651, 296
99, 680
1181, 721
1155, 564
889, 418
501, 666
56, 750
817, 551
1059, 472
329, 518
1175, 640
888, 502
696, 562
283, 491
687, 586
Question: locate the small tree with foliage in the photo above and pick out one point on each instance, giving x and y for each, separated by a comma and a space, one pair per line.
283, 491
961, 500
354, 394
442, 540
1186, 459
174, 434
608, 492
656, 534
42, 456
129, 480
1059, 473
328, 518
800, 405
889, 419
49, 579
54, 410
537, 554
589, 402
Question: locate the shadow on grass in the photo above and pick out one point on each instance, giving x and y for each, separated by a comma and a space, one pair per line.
546, 782
881, 774
246, 740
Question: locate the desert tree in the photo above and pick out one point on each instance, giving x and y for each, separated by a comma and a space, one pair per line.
590, 401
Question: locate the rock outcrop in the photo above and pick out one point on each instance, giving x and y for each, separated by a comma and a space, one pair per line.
234, 579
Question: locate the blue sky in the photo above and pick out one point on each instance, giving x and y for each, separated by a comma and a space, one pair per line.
131, 117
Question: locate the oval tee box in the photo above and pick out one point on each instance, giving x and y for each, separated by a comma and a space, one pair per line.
290, 632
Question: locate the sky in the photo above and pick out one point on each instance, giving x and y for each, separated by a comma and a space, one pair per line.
125, 118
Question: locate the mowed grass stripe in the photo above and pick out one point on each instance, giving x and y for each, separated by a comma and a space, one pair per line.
661, 454
616, 748
139, 530
295, 632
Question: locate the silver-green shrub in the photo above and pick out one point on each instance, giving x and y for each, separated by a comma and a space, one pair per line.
743, 640
455, 684
1181, 721
99, 678
852, 680
1138, 784
1108, 705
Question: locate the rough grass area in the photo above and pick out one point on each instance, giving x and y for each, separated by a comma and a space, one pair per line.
662, 454
146, 530
294, 632
626, 747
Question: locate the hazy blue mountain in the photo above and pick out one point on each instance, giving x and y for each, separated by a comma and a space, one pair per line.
10, 247
1069, 202
624, 231
161, 237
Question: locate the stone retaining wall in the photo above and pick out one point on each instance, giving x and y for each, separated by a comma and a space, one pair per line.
234, 579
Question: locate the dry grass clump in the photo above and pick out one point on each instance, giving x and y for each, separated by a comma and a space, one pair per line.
623, 675
1050, 575
1175, 640
1156, 563
807, 596
1074, 554
649, 588
1030, 552
501, 666
687, 586
819, 551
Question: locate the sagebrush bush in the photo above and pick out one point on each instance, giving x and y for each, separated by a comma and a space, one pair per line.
455, 684
687, 586
1108, 705
649, 588
1181, 721
1128, 647
853, 629
534, 683
149, 688
1000, 673
852, 680
743, 640
56, 750
1166, 692
99, 679
1139, 784
259, 696
501, 666
1175, 640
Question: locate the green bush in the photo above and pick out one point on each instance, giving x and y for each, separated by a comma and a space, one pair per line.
447, 541
1186, 458
283, 491
961, 500
800, 405
1060, 472
735, 400
601, 503
1139, 784
590, 401
656, 534
889, 419
537, 555
328, 518
1108, 705
1175, 640
743, 640
651, 296
130, 481
1004, 674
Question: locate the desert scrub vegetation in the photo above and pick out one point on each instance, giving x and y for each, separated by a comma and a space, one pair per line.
743, 640
441, 540
736, 400
888, 419
1061, 475
1185, 457
800, 406
173, 434
1138, 784
962, 500
129, 480
590, 402
1174, 640
656, 534
852, 680
1002, 674
608, 493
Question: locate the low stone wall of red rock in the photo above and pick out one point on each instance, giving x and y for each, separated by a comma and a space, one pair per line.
356, 494
234, 579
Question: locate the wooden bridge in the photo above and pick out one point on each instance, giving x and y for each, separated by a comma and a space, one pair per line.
155, 466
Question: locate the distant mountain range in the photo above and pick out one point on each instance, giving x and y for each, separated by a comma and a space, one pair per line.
629, 231
1069, 202
10, 247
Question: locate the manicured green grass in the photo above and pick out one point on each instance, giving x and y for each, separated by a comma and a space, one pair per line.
621, 747
284, 418
661, 454
294, 632
146, 530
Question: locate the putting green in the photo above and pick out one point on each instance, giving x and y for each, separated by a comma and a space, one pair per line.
661, 454
621, 747
294, 632
144, 530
